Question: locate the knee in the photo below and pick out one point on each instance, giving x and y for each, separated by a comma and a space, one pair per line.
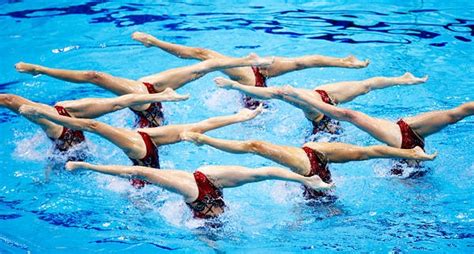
255, 146
92, 125
454, 116
346, 114
94, 75
201, 53
7, 99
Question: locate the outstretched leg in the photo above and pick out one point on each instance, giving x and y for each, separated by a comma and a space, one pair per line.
177, 181
234, 176
175, 78
243, 74
171, 133
129, 141
432, 122
284, 65
382, 130
265, 93
96, 107
14, 102
341, 152
292, 157
347, 91
180, 51
119, 86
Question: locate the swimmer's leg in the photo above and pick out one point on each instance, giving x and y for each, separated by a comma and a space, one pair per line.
177, 181
14, 102
347, 91
186, 52
292, 157
234, 176
176, 78
177, 50
129, 141
341, 152
284, 65
171, 133
119, 86
432, 122
96, 107
382, 130
265, 93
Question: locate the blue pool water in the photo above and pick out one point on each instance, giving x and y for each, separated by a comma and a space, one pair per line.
374, 212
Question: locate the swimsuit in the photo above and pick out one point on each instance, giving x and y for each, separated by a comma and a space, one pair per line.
319, 167
151, 159
260, 81
153, 115
68, 138
209, 199
326, 124
410, 139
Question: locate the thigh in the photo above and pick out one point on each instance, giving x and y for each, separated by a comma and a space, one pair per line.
118, 85
177, 181
289, 156
228, 176
131, 142
280, 66
168, 134
383, 130
431, 122
89, 107
52, 130
342, 92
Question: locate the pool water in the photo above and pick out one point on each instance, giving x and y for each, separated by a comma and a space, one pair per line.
374, 212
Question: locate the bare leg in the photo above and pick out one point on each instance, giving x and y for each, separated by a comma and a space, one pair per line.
177, 181
178, 77
432, 122
341, 152
266, 93
284, 65
96, 107
347, 91
382, 130
234, 176
119, 86
14, 102
292, 157
185, 52
171, 133
129, 141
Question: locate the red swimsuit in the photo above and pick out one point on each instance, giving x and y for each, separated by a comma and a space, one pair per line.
210, 201
260, 81
320, 168
326, 124
153, 115
410, 139
151, 159
68, 138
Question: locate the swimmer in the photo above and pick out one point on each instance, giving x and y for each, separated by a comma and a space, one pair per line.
333, 94
406, 133
148, 115
141, 146
202, 190
254, 76
312, 159
65, 138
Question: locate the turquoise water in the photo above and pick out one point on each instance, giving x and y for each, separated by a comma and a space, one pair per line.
374, 211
